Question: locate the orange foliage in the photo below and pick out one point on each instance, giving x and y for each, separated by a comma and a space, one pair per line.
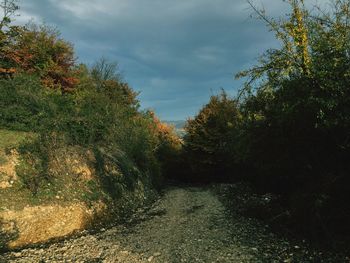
7, 73
39, 50
166, 133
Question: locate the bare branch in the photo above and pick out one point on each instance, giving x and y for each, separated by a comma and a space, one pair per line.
9, 8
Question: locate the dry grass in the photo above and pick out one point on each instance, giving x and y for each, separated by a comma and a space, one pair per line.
11, 139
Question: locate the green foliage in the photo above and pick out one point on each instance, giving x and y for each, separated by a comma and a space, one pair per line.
33, 167
296, 123
9, 8
87, 117
12, 139
23, 103
108, 79
290, 123
208, 138
44, 91
101, 111
94, 191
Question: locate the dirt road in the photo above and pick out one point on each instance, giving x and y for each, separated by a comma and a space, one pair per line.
185, 225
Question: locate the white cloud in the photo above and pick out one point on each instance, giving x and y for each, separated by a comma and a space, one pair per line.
178, 49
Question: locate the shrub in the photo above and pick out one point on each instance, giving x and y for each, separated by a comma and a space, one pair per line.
208, 139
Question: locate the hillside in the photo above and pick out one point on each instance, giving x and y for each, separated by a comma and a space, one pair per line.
73, 198
76, 151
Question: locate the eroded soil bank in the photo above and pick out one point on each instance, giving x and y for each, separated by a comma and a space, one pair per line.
185, 225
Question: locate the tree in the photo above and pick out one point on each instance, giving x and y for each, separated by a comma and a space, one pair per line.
292, 59
104, 70
296, 110
40, 50
208, 138
108, 79
9, 8
35, 49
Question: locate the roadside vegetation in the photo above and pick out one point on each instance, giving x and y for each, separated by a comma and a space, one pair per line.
287, 132
57, 113
77, 133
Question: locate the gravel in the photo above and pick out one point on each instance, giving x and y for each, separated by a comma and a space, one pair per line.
187, 224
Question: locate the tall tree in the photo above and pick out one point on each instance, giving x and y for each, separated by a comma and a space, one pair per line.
209, 135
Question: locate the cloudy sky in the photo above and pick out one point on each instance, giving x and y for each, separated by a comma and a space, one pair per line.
175, 52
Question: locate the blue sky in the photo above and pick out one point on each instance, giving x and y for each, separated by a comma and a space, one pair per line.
175, 52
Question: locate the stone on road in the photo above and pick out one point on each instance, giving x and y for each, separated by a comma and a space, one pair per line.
184, 225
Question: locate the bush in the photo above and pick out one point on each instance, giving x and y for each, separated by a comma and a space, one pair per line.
209, 137
290, 124
23, 103
88, 117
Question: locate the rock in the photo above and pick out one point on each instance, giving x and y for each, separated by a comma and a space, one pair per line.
157, 254
172, 239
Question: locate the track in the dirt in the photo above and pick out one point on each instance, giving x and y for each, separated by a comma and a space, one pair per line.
185, 225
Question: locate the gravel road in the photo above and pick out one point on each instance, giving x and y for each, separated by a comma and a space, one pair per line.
184, 225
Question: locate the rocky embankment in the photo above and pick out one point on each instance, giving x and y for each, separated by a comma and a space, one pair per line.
68, 196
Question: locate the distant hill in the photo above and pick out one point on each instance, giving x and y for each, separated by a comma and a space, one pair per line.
179, 126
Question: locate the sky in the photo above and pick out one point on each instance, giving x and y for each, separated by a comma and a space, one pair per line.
176, 53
